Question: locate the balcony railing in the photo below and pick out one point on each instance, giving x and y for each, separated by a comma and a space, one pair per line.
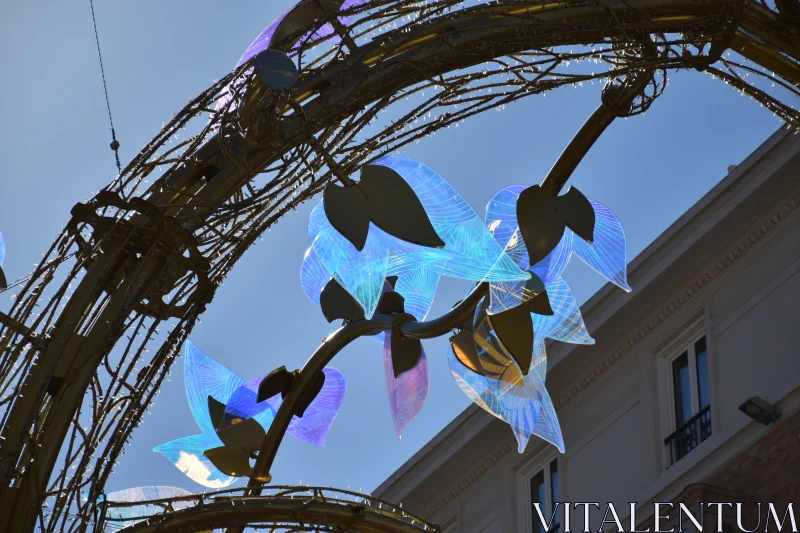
688, 436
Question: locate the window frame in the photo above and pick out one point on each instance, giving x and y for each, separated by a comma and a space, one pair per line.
546, 470
694, 384
683, 342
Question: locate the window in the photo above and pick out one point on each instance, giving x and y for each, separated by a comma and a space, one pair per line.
691, 398
544, 491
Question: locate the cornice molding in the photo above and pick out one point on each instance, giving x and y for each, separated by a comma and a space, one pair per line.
766, 226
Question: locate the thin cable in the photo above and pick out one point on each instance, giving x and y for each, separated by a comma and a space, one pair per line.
114, 143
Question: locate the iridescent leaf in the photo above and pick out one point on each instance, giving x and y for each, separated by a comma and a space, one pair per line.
313, 275
407, 392
566, 323
243, 405
120, 517
314, 425
264, 39
186, 454
205, 377
470, 251
360, 273
501, 219
526, 406
417, 286
607, 254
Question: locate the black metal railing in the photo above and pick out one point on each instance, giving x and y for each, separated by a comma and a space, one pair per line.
687, 437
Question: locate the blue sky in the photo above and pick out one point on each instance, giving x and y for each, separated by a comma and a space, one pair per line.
54, 152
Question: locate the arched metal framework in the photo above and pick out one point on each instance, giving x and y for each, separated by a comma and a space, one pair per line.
317, 509
137, 264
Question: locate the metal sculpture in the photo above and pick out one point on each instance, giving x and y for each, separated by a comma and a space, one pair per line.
148, 251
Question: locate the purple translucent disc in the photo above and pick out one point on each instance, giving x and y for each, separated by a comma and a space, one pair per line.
408, 391
314, 425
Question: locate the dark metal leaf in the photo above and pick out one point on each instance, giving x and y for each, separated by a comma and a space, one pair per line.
463, 345
395, 208
246, 435
217, 411
539, 222
406, 354
276, 382
578, 213
392, 281
543, 217
3, 282
348, 212
231, 461
514, 330
275, 69
310, 395
336, 302
391, 303
539, 304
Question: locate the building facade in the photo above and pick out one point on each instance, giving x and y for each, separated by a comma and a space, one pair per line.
655, 410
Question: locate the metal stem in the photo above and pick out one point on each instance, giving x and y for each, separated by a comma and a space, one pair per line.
333, 345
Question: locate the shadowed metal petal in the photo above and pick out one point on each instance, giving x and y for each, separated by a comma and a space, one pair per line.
316, 421
243, 405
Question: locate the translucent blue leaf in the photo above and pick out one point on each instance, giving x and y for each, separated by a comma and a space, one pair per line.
408, 391
417, 286
264, 39
470, 251
361, 273
552, 266
186, 454
2, 249
313, 275
566, 323
501, 220
608, 253
525, 406
243, 405
205, 377
121, 517
314, 425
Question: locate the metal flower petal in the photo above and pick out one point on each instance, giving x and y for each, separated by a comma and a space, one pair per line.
407, 392
243, 404
316, 421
